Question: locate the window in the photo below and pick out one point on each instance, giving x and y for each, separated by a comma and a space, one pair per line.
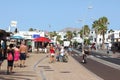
95, 39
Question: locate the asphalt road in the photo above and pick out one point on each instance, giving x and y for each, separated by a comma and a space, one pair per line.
103, 71
107, 58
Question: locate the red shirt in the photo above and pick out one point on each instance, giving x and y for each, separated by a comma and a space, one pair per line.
52, 50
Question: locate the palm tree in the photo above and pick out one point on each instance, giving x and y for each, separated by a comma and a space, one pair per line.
31, 29
51, 34
110, 31
58, 38
81, 33
69, 35
86, 33
74, 34
54, 33
95, 26
86, 30
101, 28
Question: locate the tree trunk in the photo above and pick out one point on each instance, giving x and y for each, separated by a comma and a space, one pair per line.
103, 45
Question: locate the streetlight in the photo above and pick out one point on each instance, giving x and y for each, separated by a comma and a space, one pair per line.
96, 37
82, 33
84, 55
90, 7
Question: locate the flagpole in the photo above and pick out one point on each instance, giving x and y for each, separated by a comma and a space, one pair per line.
9, 28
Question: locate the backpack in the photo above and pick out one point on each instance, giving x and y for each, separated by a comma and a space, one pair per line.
10, 56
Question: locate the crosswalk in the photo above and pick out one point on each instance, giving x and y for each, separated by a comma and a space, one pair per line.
78, 53
97, 56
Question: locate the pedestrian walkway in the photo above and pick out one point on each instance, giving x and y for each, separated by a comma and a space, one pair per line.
26, 73
39, 68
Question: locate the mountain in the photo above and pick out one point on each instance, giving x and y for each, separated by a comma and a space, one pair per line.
70, 29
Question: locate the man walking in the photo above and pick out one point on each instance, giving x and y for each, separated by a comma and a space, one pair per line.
23, 54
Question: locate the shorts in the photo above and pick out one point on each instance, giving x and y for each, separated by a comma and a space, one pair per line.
52, 54
22, 56
10, 63
86, 52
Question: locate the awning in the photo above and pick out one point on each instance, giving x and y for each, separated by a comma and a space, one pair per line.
42, 39
16, 37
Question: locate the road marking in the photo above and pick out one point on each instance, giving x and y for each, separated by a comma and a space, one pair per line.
103, 61
76, 54
105, 56
41, 72
106, 63
97, 56
43, 76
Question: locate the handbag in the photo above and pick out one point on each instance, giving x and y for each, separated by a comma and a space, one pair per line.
10, 56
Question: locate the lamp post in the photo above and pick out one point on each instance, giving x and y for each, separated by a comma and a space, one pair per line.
83, 46
89, 8
96, 37
82, 33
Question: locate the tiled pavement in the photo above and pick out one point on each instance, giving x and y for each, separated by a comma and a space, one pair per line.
39, 68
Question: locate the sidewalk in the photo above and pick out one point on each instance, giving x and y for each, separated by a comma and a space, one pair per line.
39, 68
26, 73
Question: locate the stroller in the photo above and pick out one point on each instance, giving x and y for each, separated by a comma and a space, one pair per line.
65, 58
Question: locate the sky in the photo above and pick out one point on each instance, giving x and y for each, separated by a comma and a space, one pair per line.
55, 15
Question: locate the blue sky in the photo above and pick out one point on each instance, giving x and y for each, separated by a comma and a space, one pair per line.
39, 14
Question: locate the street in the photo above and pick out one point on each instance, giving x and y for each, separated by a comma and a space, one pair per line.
100, 69
106, 58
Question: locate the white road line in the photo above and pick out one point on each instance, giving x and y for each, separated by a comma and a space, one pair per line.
106, 63
97, 56
105, 56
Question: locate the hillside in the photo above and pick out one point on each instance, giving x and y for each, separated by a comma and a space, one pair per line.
69, 29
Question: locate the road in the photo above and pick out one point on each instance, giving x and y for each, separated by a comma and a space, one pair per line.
102, 70
106, 58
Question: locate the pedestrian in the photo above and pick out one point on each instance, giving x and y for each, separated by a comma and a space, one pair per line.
52, 54
107, 49
113, 49
10, 59
23, 54
62, 53
57, 51
70, 50
83, 57
1, 56
16, 56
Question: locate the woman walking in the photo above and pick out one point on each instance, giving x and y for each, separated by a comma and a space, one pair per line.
52, 54
10, 59
16, 56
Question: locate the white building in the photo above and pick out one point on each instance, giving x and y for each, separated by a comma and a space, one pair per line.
97, 38
30, 35
116, 36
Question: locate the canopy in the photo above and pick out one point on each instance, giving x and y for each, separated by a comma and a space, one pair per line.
16, 37
41, 39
